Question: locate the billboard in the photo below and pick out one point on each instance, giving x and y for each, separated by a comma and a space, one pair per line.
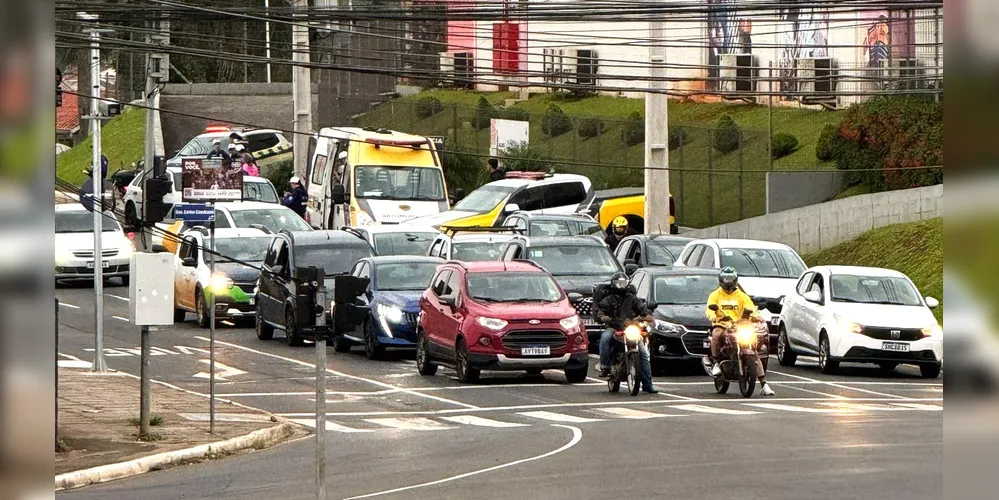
205, 180
504, 134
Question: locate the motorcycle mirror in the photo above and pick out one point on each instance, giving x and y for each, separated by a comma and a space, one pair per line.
713, 307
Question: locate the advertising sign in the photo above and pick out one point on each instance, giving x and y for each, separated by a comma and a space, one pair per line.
205, 180
504, 134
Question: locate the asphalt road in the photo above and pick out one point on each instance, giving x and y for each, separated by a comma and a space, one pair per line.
393, 434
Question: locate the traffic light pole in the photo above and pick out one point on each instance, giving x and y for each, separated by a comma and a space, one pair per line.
211, 329
320, 322
98, 200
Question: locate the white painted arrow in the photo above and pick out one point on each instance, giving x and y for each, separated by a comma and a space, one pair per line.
221, 371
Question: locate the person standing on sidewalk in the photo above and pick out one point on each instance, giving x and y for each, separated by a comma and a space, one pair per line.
495, 171
299, 197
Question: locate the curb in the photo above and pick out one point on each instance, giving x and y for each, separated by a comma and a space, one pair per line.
257, 439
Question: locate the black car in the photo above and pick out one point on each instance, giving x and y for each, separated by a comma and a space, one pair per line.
289, 254
577, 263
647, 250
534, 225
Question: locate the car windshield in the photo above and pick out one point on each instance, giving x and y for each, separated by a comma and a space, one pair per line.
662, 253
200, 146
763, 262
404, 276
874, 290
477, 251
274, 219
571, 260
83, 222
513, 287
563, 228
684, 290
259, 191
242, 248
399, 183
332, 260
416, 243
484, 199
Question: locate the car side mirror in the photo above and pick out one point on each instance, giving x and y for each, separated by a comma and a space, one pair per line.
932, 303
713, 307
813, 296
630, 267
511, 208
575, 297
278, 269
190, 262
339, 194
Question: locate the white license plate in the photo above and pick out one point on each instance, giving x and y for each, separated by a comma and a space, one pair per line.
104, 264
589, 321
536, 350
895, 347
775, 320
253, 301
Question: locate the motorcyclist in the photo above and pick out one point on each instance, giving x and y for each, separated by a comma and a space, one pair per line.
619, 231
732, 304
620, 305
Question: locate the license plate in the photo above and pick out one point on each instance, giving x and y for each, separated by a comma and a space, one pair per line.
253, 301
775, 320
104, 264
536, 350
589, 321
895, 347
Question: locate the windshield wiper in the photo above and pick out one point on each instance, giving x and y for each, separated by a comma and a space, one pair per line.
847, 299
486, 299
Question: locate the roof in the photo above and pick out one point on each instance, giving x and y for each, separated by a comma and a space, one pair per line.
863, 271
537, 216
679, 271
498, 266
481, 238
235, 206
663, 238
322, 237
579, 241
527, 182
734, 243
405, 259
363, 134
621, 192
399, 228
232, 232
68, 115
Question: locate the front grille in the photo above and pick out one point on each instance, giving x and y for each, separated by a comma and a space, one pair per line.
693, 341
89, 270
412, 319
517, 339
860, 353
904, 334
89, 254
246, 286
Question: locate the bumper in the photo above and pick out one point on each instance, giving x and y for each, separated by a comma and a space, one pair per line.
863, 348
399, 335
78, 270
501, 362
234, 310
867, 355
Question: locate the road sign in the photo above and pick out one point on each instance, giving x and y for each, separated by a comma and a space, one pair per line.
194, 212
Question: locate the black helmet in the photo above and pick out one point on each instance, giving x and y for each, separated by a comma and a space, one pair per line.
728, 279
619, 281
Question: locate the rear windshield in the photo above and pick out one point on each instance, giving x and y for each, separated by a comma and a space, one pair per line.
476, 251
404, 276
275, 219
415, 243
513, 287
571, 260
763, 263
331, 260
563, 228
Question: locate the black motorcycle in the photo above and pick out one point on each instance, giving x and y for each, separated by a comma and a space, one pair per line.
742, 343
625, 357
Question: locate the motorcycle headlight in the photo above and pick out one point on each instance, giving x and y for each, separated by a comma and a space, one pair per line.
667, 327
633, 333
570, 322
219, 283
492, 323
745, 335
392, 314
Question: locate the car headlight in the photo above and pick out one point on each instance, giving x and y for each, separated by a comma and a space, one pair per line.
392, 314
363, 219
219, 283
933, 330
667, 327
847, 326
570, 322
492, 323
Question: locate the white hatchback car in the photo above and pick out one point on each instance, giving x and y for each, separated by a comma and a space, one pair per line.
74, 245
860, 314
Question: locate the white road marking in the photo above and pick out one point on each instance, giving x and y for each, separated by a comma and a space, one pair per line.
800, 409
410, 424
559, 417
119, 318
598, 381
75, 363
879, 407
481, 422
918, 406
341, 374
116, 297
711, 409
631, 413
71, 306
834, 384
817, 393
577, 435
226, 417
222, 371
330, 426
191, 350
306, 393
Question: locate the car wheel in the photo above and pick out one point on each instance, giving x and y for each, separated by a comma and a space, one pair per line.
372, 350
466, 372
785, 356
341, 344
888, 366
264, 330
179, 315
929, 371
423, 363
201, 309
827, 365
576, 375
291, 329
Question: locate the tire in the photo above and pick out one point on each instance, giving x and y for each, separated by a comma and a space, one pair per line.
423, 363
291, 336
747, 382
633, 385
201, 309
264, 331
929, 371
613, 384
827, 365
131, 216
467, 374
534, 371
785, 355
576, 375
372, 350
341, 344
721, 385
888, 367
179, 315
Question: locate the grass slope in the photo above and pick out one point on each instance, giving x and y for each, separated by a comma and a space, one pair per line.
913, 248
122, 141
702, 199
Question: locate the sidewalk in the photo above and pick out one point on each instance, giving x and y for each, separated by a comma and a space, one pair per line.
98, 420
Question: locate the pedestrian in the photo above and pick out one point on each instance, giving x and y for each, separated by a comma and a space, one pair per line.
217, 151
249, 166
299, 198
496, 172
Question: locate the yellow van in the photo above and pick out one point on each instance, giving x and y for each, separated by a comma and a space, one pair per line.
387, 177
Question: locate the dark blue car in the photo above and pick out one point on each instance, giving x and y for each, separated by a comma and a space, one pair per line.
396, 284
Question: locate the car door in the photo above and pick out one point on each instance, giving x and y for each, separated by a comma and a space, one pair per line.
451, 316
623, 250
265, 283
562, 197
812, 312
793, 309
278, 284
184, 277
363, 269
433, 312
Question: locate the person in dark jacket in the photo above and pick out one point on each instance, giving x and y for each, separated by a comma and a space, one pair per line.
217, 152
299, 197
495, 171
619, 305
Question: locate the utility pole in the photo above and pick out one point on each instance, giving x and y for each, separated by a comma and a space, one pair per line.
301, 89
321, 324
157, 70
656, 137
267, 38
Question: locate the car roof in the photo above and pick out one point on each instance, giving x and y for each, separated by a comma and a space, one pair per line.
388, 259
579, 241
547, 180
398, 228
662, 237
321, 236
737, 243
363, 134
679, 271
497, 266
235, 232
227, 133
481, 238
238, 206
861, 271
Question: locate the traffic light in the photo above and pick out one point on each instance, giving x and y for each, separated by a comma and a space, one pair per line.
154, 208
58, 87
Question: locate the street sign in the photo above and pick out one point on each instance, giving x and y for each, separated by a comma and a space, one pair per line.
194, 212
205, 180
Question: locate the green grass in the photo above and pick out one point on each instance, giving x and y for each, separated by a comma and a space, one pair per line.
913, 248
122, 141
854, 190
702, 198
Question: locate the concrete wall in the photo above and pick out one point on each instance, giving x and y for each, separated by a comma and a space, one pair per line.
817, 227
787, 190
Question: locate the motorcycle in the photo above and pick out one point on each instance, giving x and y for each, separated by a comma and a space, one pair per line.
625, 357
742, 343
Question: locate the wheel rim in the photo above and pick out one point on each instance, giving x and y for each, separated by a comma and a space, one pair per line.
462, 360
200, 308
289, 323
421, 353
823, 353
369, 340
781, 344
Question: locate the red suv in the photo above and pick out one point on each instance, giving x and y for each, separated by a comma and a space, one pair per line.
499, 316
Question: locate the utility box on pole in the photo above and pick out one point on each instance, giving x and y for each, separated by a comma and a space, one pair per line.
150, 289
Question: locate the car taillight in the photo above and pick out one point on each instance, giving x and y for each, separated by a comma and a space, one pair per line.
484, 340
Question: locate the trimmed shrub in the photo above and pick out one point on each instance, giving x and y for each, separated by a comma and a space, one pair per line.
825, 144
782, 144
463, 169
591, 127
484, 113
633, 131
518, 114
279, 174
427, 106
523, 157
727, 136
555, 122
677, 138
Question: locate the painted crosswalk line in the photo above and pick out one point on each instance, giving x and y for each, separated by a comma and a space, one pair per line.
409, 423
920, 406
711, 409
330, 426
631, 413
869, 406
793, 408
559, 417
481, 422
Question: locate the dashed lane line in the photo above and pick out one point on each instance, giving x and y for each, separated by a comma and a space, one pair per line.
633, 414
834, 384
711, 409
71, 306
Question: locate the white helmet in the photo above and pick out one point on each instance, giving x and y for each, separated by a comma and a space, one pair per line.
295, 180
